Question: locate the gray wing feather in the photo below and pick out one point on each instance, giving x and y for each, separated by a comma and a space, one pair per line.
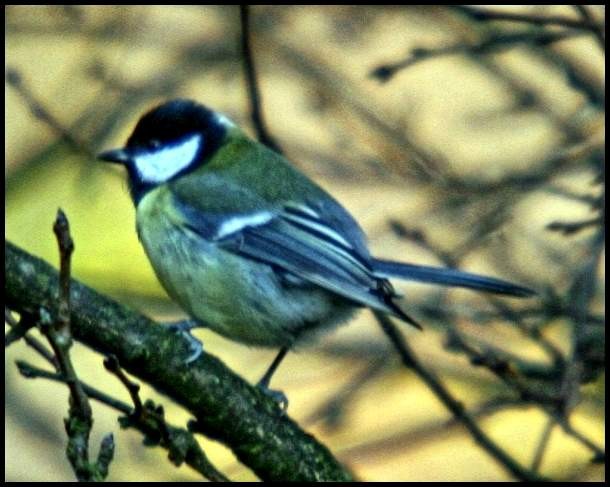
301, 240
291, 250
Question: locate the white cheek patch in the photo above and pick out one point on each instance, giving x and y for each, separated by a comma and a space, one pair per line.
238, 223
223, 120
159, 165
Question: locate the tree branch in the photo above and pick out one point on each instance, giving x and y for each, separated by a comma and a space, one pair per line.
484, 14
173, 439
491, 44
256, 112
226, 407
79, 422
457, 408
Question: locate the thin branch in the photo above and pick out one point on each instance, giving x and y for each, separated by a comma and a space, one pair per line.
457, 408
570, 228
180, 443
404, 440
581, 294
38, 110
18, 329
30, 371
587, 16
206, 388
599, 454
61, 228
32, 342
554, 402
502, 368
561, 160
195, 456
332, 410
150, 419
80, 420
112, 365
256, 112
574, 75
542, 444
492, 44
476, 13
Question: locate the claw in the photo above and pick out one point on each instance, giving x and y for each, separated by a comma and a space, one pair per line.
195, 346
278, 396
184, 327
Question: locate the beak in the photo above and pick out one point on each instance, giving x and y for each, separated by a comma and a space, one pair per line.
118, 156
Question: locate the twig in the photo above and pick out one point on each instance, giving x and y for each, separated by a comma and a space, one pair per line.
112, 365
61, 228
423, 165
18, 329
331, 411
180, 443
533, 333
599, 453
150, 419
206, 388
14, 79
569, 228
404, 440
599, 31
542, 444
456, 407
581, 294
31, 341
484, 15
256, 112
503, 370
553, 403
579, 79
79, 422
493, 43
32, 372
196, 460
560, 161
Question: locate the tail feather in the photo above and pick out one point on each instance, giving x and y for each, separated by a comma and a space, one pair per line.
448, 277
398, 311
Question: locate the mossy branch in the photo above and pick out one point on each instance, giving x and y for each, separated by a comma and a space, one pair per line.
226, 407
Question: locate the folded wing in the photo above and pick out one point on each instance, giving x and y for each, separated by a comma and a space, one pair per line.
297, 240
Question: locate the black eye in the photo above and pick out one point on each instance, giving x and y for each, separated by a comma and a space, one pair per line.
154, 144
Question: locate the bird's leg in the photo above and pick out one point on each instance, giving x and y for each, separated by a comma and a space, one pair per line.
184, 327
263, 384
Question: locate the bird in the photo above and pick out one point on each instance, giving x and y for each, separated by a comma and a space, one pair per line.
248, 245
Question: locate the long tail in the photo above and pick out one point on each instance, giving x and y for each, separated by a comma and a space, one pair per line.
448, 277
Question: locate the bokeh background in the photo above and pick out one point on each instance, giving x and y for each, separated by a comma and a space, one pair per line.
453, 139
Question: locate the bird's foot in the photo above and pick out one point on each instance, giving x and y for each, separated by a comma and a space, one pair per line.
278, 396
184, 328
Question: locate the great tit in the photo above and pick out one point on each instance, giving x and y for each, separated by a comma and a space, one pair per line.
249, 246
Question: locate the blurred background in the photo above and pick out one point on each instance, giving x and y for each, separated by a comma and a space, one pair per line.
468, 137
